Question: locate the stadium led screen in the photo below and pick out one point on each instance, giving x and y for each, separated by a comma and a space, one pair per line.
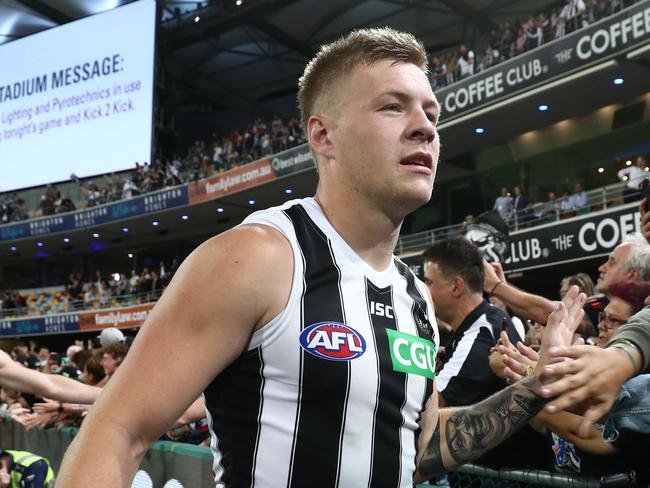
78, 98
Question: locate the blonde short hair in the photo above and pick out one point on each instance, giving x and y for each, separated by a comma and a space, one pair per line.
360, 47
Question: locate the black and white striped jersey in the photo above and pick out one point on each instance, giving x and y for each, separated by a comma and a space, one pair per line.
329, 393
466, 376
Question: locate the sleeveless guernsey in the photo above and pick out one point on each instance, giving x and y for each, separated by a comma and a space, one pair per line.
328, 393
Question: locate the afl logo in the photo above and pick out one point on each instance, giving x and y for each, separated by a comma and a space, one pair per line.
333, 341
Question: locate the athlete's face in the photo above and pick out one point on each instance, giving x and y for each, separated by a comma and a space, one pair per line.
385, 143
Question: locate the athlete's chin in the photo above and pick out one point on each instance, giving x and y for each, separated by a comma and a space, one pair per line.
418, 195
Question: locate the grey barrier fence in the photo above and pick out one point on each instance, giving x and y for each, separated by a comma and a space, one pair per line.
165, 465
175, 465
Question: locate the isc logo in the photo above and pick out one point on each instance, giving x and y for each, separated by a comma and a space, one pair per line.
333, 341
381, 310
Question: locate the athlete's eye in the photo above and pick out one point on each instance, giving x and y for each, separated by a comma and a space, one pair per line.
393, 107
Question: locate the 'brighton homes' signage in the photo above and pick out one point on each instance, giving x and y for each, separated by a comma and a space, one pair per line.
609, 37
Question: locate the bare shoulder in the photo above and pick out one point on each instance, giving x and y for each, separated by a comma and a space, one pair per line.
248, 269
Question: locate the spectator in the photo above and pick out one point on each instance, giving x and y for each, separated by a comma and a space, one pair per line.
504, 205
550, 209
579, 201
129, 188
134, 283
123, 285
111, 359
465, 61
572, 14
566, 205
626, 299
533, 34
582, 280
90, 295
439, 71
145, 281
521, 204
453, 272
490, 58
104, 292
633, 176
629, 261
520, 41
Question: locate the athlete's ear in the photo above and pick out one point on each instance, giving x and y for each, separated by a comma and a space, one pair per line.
319, 136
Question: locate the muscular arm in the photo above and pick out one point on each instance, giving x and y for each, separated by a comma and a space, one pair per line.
228, 287
459, 435
466, 433
17, 377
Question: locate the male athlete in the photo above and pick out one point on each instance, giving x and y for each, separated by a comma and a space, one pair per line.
313, 345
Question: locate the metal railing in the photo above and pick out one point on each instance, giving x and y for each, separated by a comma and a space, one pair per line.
598, 199
66, 306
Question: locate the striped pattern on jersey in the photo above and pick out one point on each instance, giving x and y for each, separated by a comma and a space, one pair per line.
281, 415
466, 377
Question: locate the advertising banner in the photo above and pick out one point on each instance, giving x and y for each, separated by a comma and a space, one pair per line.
54, 324
591, 235
120, 317
584, 237
609, 37
231, 181
293, 160
290, 161
82, 219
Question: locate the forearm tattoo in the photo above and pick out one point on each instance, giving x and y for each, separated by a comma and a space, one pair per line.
472, 431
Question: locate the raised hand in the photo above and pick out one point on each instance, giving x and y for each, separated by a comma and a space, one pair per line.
561, 325
520, 361
588, 374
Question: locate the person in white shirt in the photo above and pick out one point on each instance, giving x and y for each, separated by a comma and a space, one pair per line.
579, 200
465, 61
633, 176
504, 204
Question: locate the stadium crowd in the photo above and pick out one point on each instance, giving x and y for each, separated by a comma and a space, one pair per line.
103, 291
514, 38
204, 158
221, 153
518, 207
490, 330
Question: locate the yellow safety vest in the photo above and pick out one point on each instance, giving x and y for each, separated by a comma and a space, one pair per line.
26, 459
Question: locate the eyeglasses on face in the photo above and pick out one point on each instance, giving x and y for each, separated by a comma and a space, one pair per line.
610, 322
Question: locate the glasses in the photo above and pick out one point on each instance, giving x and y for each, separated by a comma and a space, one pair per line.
608, 321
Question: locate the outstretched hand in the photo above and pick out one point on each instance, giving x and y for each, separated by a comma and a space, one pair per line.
561, 325
590, 375
519, 360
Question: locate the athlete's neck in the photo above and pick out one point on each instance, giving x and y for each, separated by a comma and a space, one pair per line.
368, 231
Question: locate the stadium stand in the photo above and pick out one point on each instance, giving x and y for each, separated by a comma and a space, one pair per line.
81, 256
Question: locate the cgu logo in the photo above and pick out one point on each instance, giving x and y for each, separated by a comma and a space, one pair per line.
412, 354
381, 310
333, 341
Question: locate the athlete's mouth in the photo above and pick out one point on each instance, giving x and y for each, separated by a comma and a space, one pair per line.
419, 158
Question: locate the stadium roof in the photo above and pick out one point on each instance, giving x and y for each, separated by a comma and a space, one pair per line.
218, 57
